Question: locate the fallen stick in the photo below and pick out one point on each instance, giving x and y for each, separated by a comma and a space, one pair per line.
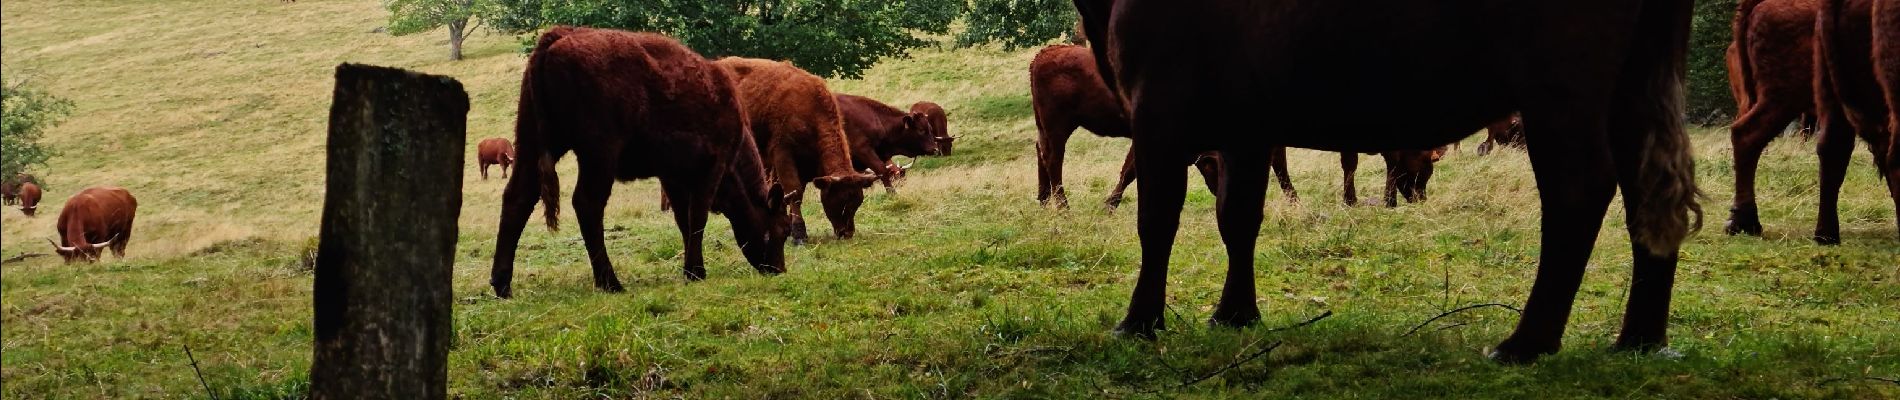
1458, 310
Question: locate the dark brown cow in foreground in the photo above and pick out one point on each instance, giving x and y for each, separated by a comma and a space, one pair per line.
800, 133
1067, 92
1771, 72
630, 106
97, 218
29, 198
1508, 131
10, 188
939, 124
1857, 50
1406, 174
878, 132
1602, 79
495, 151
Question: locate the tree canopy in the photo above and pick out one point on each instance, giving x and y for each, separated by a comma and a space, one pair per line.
25, 113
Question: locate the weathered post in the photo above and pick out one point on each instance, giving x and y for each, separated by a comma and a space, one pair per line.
393, 192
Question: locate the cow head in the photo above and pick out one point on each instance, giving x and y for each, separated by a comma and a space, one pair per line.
84, 251
29, 209
1410, 170
944, 143
762, 230
841, 207
916, 137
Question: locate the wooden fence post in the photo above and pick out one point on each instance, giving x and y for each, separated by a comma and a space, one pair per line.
392, 196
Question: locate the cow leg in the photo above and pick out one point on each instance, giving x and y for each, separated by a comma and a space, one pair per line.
1750, 136
1050, 148
1571, 161
118, 246
795, 215
690, 217
1158, 163
666, 203
517, 204
1835, 143
484, 169
1279, 170
1127, 177
591, 191
1349, 163
1394, 180
1242, 193
504, 170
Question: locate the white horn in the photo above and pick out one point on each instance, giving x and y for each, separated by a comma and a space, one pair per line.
108, 241
61, 248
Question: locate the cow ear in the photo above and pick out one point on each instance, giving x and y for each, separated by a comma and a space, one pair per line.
910, 121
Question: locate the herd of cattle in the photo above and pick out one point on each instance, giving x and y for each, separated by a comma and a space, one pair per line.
1601, 81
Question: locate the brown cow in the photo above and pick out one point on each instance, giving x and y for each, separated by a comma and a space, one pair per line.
878, 132
939, 123
1771, 73
10, 188
1406, 173
1066, 92
1857, 48
1602, 78
799, 131
29, 198
630, 106
1508, 131
99, 217
495, 151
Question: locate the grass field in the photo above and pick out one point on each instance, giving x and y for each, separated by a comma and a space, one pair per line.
213, 113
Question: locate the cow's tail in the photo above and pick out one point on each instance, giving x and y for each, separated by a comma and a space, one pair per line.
531, 137
1664, 207
1743, 76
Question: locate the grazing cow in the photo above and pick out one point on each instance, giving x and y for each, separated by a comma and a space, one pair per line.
878, 132
29, 198
1771, 73
10, 188
494, 151
939, 123
1508, 131
630, 106
99, 217
800, 134
1857, 48
1602, 78
1067, 92
1406, 173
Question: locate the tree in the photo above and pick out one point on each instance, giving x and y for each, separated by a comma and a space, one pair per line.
25, 113
832, 38
1709, 98
1018, 23
461, 17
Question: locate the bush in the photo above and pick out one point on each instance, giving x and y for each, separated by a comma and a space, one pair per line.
25, 114
1709, 99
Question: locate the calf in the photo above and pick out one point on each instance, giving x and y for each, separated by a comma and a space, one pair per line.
1066, 93
1406, 173
1770, 60
878, 132
631, 106
29, 198
10, 188
939, 124
800, 134
99, 217
495, 151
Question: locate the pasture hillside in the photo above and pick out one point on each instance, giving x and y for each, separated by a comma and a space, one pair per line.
213, 113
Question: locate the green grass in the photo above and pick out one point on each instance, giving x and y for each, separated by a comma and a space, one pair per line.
212, 112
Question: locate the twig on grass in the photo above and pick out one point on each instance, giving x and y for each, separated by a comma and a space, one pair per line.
1458, 310
1857, 378
21, 256
201, 373
1230, 366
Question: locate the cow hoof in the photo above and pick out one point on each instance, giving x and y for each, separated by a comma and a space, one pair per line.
1827, 239
1235, 319
610, 287
695, 274
1513, 352
1138, 328
1742, 220
504, 291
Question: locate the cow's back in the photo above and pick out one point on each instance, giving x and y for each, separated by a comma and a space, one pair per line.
792, 113
939, 122
101, 211
661, 100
